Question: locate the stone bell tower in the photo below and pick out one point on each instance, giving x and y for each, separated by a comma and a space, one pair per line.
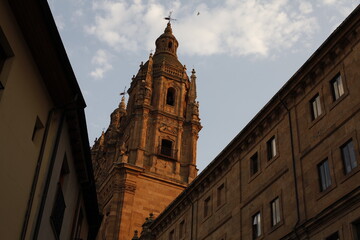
147, 156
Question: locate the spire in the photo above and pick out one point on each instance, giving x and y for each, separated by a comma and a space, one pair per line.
192, 91
168, 28
122, 104
167, 42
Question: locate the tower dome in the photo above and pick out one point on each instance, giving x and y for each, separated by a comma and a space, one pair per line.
167, 42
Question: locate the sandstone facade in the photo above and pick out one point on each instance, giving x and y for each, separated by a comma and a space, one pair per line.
147, 156
294, 171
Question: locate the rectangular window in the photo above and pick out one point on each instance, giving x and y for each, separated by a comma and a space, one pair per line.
348, 156
271, 148
166, 148
172, 235
182, 229
207, 206
337, 87
356, 229
58, 211
324, 175
334, 236
315, 107
254, 164
275, 212
256, 225
220, 195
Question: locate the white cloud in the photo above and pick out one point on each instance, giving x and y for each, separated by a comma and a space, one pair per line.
305, 7
247, 27
102, 62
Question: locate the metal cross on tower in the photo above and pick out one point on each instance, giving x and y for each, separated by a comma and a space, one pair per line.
169, 18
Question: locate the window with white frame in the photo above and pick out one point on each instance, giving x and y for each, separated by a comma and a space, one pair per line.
256, 225
275, 212
271, 148
315, 104
337, 87
324, 175
348, 156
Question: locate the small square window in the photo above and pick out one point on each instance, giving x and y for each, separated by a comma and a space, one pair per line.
207, 206
324, 175
271, 148
334, 236
315, 107
254, 164
256, 225
337, 87
348, 156
275, 212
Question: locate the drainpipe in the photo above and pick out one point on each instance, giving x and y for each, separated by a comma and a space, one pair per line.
294, 168
36, 174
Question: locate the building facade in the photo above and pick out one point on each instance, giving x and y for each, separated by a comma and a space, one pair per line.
294, 171
147, 155
46, 179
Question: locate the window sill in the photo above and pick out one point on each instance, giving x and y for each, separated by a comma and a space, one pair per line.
278, 225
321, 194
254, 176
316, 120
271, 160
337, 101
220, 206
346, 176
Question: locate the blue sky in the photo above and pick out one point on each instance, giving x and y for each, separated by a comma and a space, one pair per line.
243, 51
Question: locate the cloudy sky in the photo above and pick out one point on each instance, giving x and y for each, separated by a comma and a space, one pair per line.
243, 51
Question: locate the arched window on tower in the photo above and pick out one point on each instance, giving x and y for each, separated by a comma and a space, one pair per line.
170, 97
170, 45
166, 148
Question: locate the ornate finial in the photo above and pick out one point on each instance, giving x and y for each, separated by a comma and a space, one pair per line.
136, 236
141, 64
193, 72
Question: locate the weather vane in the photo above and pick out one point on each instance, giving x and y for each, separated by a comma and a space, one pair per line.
169, 18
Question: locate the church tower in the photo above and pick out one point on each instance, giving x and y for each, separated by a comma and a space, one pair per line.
147, 156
